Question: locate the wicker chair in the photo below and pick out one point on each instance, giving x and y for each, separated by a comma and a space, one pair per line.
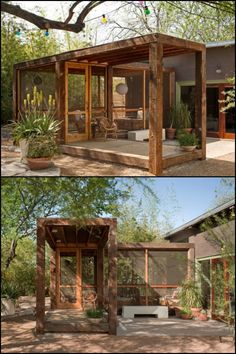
108, 127
90, 297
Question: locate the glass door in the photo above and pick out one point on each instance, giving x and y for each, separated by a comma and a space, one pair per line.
68, 280
77, 102
229, 131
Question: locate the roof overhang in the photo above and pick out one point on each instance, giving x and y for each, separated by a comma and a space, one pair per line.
120, 52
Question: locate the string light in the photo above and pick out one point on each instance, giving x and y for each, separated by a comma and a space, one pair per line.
146, 10
104, 19
18, 32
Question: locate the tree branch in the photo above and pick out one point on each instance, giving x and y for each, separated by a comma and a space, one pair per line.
45, 23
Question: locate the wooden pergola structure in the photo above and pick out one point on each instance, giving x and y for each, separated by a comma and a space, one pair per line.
153, 48
145, 269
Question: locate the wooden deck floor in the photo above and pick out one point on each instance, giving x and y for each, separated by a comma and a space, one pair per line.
131, 153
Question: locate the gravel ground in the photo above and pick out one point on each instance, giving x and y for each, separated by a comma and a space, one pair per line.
18, 336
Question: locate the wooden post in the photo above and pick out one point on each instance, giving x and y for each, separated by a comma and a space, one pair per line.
40, 279
112, 279
146, 276
60, 98
109, 93
144, 99
100, 273
200, 97
155, 108
53, 279
15, 95
191, 264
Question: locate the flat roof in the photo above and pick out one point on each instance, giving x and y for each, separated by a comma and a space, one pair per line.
120, 52
200, 218
227, 43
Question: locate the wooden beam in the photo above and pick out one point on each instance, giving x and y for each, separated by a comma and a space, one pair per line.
146, 277
100, 276
155, 108
144, 99
69, 222
191, 259
60, 98
51, 237
132, 44
109, 93
112, 279
63, 235
200, 97
53, 279
14, 95
90, 234
40, 279
157, 246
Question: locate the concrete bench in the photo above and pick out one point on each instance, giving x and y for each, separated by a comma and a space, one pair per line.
140, 135
159, 311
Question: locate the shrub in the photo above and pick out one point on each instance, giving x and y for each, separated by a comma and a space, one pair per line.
94, 313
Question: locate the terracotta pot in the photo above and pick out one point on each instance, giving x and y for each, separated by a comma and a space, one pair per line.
170, 133
188, 130
185, 316
202, 316
196, 311
177, 311
39, 163
188, 148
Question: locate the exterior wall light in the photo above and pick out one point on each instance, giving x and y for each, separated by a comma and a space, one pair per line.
218, 69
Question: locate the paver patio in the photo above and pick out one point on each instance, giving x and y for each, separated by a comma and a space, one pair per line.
18, 336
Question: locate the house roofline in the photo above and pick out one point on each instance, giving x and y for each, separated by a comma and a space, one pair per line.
200, 218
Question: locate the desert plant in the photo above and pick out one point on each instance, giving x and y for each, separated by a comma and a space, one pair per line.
184, 116
33, 120
94, 313
190, 294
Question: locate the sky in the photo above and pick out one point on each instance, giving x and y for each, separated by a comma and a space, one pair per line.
182, 198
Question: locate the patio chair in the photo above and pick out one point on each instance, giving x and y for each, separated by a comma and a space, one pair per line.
89, 297
108, 127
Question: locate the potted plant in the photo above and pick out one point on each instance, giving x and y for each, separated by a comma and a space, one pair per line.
188, 142
184, 117
35, 121
171, 131
186, 313
9, 295
191, 297
202, 316
40, 152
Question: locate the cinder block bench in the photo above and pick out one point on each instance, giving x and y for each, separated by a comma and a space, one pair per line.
142, 134
159, 311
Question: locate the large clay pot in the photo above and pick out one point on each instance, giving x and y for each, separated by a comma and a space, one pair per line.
39, 163
170, 133
24, 146
7, 307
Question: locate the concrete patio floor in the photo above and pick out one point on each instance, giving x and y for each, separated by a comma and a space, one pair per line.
171, 327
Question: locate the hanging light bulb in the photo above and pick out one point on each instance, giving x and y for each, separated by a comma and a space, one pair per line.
104, 19
18, 32
46, 33
146, 10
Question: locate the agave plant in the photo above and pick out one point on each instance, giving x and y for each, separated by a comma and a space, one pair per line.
33, 120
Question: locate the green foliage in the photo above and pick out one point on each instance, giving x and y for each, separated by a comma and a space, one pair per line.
180, 116
229, 100
15, 49
187, 139
42, 146
95, 313
190, 294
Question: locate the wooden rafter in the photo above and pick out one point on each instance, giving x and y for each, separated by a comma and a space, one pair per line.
51, 236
